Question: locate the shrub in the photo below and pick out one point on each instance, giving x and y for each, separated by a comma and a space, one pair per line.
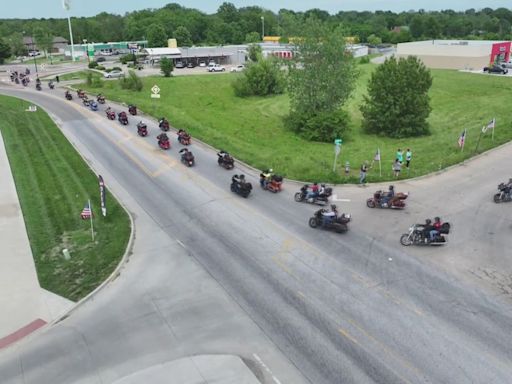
100, 68
132, 82
108, 70
166, 66
93, 64
364, 60
117, 69
260, 78
126, 58
321, 126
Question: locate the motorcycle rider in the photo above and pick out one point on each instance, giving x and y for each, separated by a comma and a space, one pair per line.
265, 177
239, 179
187, 155
162, 138
436, 228
427, 227
313, 193
329, 216
386, 197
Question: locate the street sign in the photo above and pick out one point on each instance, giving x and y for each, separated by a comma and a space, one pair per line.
338, 142
155, 92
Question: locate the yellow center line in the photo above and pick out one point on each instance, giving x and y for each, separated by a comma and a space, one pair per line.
347, 335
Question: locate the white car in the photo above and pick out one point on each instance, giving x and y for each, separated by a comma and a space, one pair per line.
238, 68
215, 68
113, 74
202, 64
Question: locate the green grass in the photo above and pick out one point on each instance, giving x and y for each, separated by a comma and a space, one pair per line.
79, 75
53, 184
252, 129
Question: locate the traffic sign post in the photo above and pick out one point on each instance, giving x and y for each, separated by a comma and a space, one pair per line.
337, 151
155, 92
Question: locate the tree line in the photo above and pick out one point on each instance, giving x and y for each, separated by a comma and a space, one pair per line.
232, 25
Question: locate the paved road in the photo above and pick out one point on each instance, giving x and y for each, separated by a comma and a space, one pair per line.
354, 308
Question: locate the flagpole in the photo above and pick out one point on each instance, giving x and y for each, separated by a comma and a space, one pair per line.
493, 125
92, 227
380, 163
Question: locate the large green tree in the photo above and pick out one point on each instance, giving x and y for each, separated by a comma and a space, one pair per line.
398, 104
183, 37
156, 36
5, 50
44, 40
18, 48
260, 78
321, 78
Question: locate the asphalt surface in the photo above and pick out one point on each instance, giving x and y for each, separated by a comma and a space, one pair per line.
302, 305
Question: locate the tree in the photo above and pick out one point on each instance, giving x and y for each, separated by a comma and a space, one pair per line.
166, 66
156, 36
254, 52
183, 37
260, 78
321, 78
374, 40
44, 40
18, 48
5, 51
227, 12
252, 37
397, 104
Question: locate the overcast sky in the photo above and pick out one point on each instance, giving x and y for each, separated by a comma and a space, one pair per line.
53, 8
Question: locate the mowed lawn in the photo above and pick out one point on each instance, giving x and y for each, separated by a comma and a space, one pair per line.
253, 130
53, 184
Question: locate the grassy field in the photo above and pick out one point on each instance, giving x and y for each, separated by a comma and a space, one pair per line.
72, 76
252, 129
53, 184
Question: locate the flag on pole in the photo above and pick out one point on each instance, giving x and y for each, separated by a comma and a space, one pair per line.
103, 192
66, 5
462, 139
377, 155
86, 212
489, 125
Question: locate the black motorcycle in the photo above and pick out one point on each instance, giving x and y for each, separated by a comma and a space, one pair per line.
321, 199
38, 86
504, 194
240, 188
68, 95
337, 224
187, 157
51, 85
225, 160
417, 235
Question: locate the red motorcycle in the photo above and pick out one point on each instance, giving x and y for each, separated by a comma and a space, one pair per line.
273, 185
123, 118
184, 138
80, 94
380, 199
111, 115
163, 141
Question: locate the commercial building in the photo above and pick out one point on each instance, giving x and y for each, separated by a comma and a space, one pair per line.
456, 54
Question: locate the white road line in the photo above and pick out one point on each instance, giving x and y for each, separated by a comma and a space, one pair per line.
180, 243
335, 198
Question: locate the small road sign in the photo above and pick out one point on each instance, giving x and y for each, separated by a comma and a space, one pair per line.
155, 92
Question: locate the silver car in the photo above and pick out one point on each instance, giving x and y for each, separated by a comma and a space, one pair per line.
113, 74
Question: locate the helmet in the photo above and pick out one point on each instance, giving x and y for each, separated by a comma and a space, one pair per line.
323, 185
428, 221
242, 177
271, 170
333, 207
391, 187
315, 183
437, 219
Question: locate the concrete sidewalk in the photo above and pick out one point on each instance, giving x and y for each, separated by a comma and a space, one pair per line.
25, 306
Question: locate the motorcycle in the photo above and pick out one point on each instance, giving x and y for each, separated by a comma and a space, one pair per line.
132, 109
418, 236
80, 94
38, 86
111, 115
123, 118
225, 160
51, 85
163, 124
100, 99
337, 224
142, 129
504, 194
68, 95
321, 199
378, 200
93, 105
274, 185
183, 137
242, 189
86, 101
187, 157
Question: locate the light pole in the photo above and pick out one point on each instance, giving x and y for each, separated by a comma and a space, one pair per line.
262, 28
66, 4
34, 53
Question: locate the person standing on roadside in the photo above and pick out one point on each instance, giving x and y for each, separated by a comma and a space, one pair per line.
362, 174
408, 158
400, 156
397, 167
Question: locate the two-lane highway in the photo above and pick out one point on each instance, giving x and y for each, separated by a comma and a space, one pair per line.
352, 308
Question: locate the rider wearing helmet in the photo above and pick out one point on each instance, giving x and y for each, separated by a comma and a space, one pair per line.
265, 177
386, 197
329, 216
162, 138
436, 228
427, 227
313, 194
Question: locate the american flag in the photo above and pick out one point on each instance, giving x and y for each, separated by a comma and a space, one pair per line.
462, 139
490, 125
377, 155
86, 212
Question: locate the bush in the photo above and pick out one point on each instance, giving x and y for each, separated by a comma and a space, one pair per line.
166, 67
108, 70
261, 78
93, 64
364, 60
126, 58
93, 80
132, 82
322, 126
100, 68
116, 69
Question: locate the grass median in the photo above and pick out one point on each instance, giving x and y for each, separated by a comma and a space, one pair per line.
253, 130
53, 184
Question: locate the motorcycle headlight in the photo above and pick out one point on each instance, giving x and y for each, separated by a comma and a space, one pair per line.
347, 215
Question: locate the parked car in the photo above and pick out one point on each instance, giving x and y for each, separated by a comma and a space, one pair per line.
113, 74
202, 63
238, 68
216, 68
507, 64
100, 59
190, 65
180, 65
34, 53
496, 69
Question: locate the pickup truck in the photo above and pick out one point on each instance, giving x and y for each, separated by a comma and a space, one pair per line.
216, 68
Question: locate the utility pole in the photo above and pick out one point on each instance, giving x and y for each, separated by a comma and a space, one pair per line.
262, 28
67, 5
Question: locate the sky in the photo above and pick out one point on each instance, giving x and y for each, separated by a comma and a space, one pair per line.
53, 8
